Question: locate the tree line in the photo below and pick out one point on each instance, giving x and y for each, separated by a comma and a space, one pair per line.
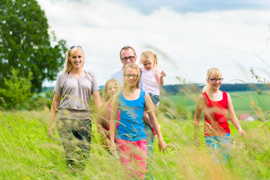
174, 89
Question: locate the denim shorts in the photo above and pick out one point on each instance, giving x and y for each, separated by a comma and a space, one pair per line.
155, 98
219, 144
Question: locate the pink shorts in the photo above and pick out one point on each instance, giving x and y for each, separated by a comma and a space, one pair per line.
133, 156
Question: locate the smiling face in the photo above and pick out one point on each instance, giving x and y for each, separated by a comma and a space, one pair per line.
148, 63
77, 59
128, 56
214, 80
131, 77
112, 89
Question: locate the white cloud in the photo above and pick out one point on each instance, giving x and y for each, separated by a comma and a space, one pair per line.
193, 42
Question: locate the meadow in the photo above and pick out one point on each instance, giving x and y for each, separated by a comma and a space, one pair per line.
244, 102
26, 151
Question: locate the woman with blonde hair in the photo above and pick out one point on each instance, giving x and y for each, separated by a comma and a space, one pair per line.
72, 92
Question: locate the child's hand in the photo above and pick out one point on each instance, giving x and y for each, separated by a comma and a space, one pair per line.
112, 147
242, 132
162, 74
162, 145
108, 142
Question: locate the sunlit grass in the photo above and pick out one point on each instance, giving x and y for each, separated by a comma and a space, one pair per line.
26, 152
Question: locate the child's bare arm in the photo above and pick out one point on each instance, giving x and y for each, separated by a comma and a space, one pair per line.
114, 113
233, 117
160, 76
197, 116
150, 109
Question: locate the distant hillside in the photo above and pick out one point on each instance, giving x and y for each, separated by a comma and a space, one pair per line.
174, 89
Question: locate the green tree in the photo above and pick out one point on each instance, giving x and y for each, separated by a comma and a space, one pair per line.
26, 44
17, 89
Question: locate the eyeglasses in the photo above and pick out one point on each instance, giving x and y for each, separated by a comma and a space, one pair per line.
215, 80
131, 75
129, 57
74, 47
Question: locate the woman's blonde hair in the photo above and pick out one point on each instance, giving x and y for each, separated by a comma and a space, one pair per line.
209, 72
149, 54
69, 53
132, 66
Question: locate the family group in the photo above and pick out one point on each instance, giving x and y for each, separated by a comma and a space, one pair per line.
126, 114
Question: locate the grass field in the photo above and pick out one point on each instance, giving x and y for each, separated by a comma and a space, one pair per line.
26, 152
243, 101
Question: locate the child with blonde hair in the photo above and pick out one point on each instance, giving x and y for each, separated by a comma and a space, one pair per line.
131, 137
111, 88
214, 104
152, 77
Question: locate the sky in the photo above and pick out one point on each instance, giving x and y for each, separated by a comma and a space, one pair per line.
188, 36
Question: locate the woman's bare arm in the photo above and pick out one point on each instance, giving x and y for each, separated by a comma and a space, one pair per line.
54, 107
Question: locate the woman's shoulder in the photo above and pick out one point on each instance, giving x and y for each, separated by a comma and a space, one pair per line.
89, 75
62, 75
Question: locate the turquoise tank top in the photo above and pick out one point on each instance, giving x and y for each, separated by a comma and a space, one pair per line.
131, 127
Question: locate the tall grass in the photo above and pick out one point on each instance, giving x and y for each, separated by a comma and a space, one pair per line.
26, 152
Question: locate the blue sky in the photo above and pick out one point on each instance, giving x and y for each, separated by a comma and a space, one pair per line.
189, 37
184, 6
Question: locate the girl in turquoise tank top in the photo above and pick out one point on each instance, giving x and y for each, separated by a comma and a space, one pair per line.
131, 143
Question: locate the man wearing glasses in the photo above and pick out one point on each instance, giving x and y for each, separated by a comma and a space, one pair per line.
127, 55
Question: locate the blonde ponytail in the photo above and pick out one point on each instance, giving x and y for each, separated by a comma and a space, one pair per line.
205, 88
